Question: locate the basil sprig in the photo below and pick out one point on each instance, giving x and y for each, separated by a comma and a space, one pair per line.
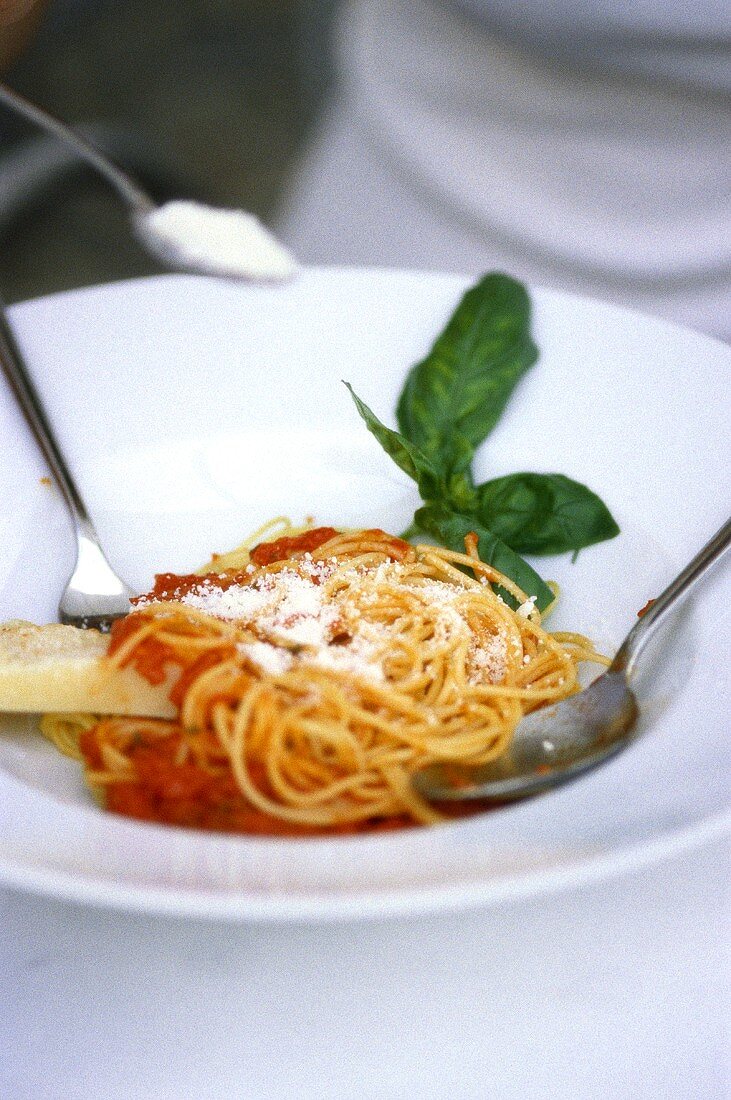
449, 404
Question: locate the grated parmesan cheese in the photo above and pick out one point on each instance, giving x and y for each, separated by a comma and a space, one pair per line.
526, 609
488, 660
269, 658
296, 620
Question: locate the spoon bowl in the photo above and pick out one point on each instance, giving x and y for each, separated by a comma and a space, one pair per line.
559, 743
550, 747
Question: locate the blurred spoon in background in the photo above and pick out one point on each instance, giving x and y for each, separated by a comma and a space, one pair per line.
181, 234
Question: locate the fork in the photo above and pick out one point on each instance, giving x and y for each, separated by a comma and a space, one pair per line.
94, 595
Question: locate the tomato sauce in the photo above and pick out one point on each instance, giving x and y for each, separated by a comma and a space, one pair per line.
170, 793
280, 549
167, 792
150, 658
174, 586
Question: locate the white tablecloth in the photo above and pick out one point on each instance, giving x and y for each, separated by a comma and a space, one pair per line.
618, 990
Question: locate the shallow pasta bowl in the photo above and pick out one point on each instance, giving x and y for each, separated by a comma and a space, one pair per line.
217, 407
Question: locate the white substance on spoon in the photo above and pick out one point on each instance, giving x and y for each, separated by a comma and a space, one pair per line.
225, 242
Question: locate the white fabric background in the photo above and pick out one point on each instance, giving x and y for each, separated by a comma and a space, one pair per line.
448, 148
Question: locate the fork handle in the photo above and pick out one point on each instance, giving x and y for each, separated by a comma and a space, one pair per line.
21, 383
26, 394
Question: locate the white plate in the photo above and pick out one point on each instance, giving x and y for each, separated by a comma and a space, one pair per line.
193, 410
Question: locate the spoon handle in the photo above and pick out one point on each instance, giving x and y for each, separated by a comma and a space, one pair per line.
633, 645
128, 189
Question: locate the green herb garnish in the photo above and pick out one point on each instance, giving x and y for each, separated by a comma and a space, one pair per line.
450, 403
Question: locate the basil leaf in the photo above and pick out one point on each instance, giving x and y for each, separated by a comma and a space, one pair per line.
404, 453
543, 513
459, 391
450, 528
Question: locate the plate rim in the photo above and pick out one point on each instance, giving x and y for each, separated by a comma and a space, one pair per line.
387, 902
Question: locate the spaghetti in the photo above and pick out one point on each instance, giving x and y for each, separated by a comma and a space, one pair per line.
315, 673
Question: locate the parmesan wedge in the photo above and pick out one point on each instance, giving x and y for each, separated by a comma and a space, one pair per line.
63, 669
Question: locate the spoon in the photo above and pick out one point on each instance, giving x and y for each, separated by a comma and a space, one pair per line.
558, 743
94, 595
185, 235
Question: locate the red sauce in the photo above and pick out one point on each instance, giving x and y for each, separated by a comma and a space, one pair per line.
280, 549
171, 793
174, 586
150, 658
